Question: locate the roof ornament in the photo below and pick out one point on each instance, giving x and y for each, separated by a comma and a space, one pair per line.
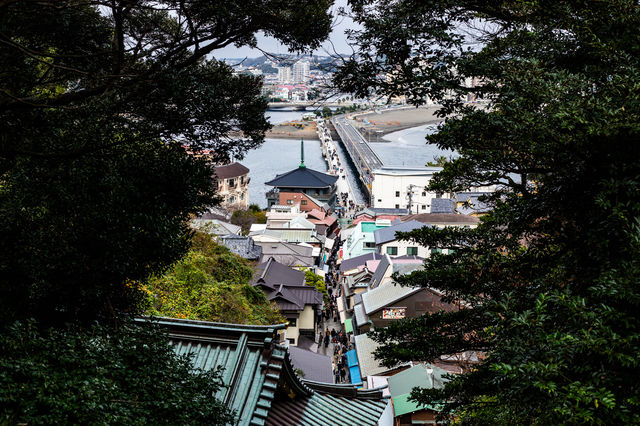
302, 166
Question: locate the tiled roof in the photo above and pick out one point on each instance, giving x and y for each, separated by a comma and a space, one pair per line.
242, 246
384, 235
352, 407
303, 177
273, 274
369, 366
261, 384
252, 365
287, 253
406, 268
442, 219
442, 205
376, 211
381, 270
307, 295
286, 299
384, 295
316, 367
354, 262
361, 317
231, 170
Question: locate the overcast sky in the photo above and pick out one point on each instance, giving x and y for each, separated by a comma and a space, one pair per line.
337, 38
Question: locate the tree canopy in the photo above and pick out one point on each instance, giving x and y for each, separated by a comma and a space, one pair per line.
550, 277
210, 284
102, 376
100, 105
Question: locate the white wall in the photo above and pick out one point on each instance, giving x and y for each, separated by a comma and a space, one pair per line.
402, 248
387, 182
306, 320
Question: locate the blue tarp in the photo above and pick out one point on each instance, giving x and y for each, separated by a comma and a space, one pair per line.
352, 358
354, 373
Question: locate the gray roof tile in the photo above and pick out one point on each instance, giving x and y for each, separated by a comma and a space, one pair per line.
384, 235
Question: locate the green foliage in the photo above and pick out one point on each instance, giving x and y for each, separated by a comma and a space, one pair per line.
246, 218
550, 277
211, 284
438, 161
94, 189
128, 375
315, 280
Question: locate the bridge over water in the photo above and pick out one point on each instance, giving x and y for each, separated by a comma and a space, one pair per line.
303, 105
363, 156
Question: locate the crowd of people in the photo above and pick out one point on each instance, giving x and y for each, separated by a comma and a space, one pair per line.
340, 341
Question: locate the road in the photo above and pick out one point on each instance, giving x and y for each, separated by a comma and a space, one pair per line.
363, 156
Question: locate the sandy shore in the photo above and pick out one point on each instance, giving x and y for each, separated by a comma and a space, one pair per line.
294, 130
395, 120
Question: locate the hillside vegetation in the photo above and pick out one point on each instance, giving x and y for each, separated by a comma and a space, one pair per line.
211, 284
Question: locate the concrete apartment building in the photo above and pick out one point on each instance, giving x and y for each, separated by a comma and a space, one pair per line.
403, 188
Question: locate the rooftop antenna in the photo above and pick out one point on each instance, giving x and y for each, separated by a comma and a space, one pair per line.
302, 166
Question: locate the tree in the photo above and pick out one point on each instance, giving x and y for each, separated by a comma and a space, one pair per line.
101, 105
549, 279
210, 284
102, 376
314, 280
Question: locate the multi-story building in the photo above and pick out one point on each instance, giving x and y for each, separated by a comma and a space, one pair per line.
233, 185
403, 188
284, 75
301, 72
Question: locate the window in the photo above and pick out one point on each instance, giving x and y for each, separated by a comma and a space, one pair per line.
289, 201
436, 250
293, 322
232, 183
242, 196
393, 251
397, 193
424, 207
379, 201
424, 194
232, 199
369, 245
241, 180
412, 250
292, 341
304, 202
397, 206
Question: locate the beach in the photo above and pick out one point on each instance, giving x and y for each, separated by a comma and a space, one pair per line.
389, 121
294, 130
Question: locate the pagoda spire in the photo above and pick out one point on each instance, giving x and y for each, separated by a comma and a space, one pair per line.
302, 166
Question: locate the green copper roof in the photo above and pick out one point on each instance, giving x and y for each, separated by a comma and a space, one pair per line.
419, 376
261, 384
252, 364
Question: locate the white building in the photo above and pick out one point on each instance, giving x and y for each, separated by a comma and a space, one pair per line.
284, 75
301, 72
403, 187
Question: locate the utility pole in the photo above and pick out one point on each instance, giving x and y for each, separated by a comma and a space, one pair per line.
410, 196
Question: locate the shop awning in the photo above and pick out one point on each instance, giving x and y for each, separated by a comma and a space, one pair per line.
348, 326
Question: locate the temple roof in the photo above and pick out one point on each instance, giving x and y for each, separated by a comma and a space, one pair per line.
261, 383
303, 177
